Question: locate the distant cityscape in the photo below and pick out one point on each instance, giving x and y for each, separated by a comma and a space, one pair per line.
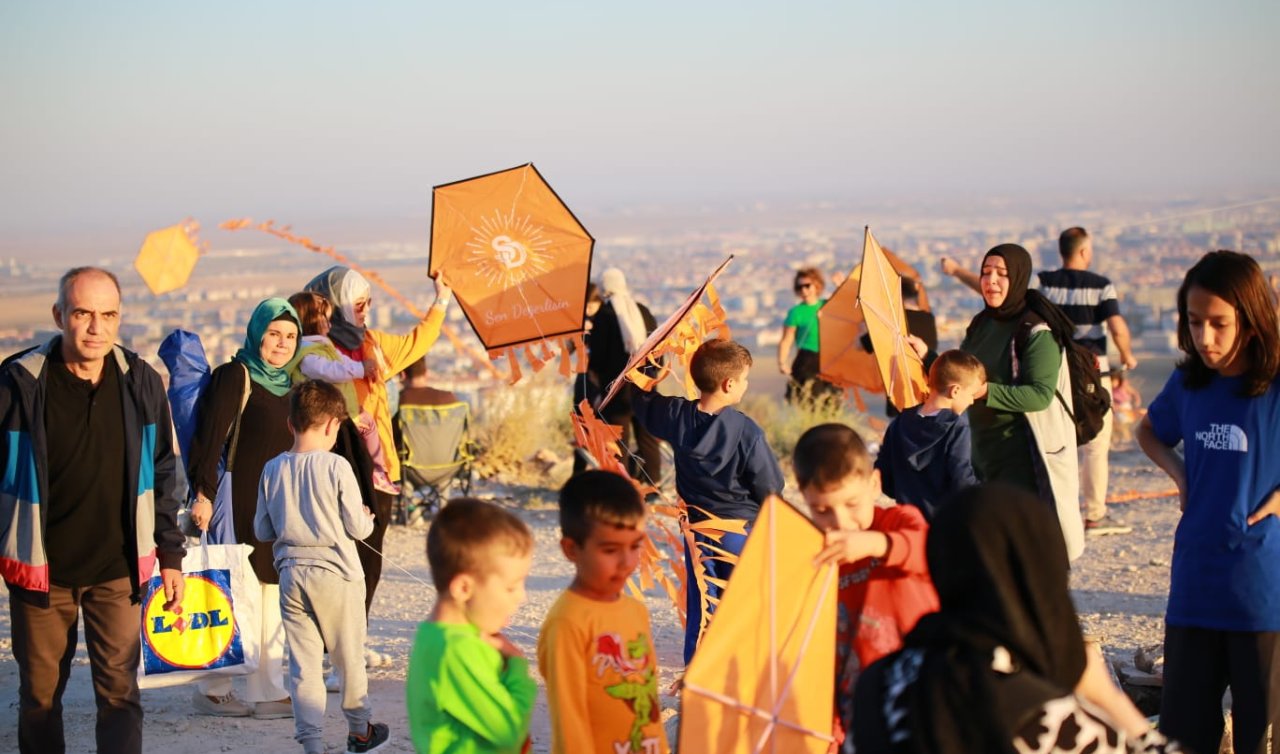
1145, 259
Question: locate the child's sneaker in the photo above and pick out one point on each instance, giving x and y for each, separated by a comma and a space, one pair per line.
372, 740
382, 482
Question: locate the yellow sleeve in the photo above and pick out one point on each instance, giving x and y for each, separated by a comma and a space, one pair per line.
402, 350
562, 659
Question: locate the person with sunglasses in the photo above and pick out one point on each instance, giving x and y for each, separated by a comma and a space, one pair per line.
801, 329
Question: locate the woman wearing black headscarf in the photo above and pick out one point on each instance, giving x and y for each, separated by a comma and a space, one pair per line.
1002, 667
1021, 433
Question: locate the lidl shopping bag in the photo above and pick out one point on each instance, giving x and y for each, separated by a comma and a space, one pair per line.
217, 632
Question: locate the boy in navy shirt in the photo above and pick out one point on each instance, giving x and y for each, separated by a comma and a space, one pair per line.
925, 453
724, 467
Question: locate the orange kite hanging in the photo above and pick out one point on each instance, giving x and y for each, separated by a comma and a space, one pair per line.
518, 260
762, 678
168, 256
880, 299
842, 360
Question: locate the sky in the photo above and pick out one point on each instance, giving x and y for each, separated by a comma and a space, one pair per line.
124, 117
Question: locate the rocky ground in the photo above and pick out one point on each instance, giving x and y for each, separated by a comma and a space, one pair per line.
1120, 586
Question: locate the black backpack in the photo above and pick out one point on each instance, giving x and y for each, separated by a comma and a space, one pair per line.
1090, 401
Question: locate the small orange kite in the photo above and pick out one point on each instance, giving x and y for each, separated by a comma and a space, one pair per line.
679, 336
763, 679
842, 360
518, 261
168, 256
880, 298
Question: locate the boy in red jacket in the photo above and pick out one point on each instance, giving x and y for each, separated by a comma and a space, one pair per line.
884, 579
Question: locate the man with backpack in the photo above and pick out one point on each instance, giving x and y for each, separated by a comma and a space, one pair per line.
1089, 300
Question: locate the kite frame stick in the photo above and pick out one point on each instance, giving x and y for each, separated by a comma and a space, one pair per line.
747, 709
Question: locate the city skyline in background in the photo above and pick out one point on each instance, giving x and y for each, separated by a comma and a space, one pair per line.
339, 120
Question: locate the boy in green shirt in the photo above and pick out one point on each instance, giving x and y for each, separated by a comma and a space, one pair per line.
468, 688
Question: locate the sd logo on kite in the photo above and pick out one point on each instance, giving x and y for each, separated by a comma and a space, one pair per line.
203, 636
518, 261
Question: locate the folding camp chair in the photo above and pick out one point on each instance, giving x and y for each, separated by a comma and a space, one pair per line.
436, 457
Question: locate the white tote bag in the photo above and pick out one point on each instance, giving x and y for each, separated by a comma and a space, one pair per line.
217, 631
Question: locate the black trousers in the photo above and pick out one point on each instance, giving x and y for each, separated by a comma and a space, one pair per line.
1199, 665
372, 561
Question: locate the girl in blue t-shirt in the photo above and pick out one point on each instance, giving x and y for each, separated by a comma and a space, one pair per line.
1222, 626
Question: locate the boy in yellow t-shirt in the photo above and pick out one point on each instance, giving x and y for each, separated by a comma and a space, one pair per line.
596, 650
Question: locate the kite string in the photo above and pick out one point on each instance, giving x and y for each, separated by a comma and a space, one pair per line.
1196, 213
410, 574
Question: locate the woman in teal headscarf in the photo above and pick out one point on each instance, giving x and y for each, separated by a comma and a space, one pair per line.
261, 367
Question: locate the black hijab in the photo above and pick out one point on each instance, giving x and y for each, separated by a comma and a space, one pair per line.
1021, 302
1000, 566
1018, 262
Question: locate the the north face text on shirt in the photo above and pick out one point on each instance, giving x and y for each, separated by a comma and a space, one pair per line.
1223, 437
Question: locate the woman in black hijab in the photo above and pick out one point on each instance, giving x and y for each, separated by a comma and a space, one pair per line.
1018, 337
1002, 666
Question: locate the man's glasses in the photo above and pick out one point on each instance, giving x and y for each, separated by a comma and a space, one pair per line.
803, 287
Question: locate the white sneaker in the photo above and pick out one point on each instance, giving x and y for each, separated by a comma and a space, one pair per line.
375, 659
332, 682
220, 706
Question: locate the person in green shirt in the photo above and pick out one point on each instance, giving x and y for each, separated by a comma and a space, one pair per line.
801, 330
1021, 378
468, 689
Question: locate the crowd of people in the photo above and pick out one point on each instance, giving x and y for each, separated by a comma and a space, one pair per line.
956, 631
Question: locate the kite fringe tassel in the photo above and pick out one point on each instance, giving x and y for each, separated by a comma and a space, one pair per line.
539, 353
284, 232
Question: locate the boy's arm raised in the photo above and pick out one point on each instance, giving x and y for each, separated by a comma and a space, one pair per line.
564, 666
496, 710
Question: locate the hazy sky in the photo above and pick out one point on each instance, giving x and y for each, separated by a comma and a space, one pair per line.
133, 115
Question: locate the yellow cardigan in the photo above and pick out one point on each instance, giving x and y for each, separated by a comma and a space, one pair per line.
394, 354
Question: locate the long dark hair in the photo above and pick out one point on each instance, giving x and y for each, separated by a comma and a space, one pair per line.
1236, 279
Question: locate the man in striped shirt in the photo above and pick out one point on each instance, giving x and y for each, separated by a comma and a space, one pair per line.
1089, 299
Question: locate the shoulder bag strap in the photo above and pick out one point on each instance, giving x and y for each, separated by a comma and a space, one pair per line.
235, 426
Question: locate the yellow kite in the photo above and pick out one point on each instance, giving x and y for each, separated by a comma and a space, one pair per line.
763, 679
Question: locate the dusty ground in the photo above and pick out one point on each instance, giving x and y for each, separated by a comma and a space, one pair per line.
1120, 587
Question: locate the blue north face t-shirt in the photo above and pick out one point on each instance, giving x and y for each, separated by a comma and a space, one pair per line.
1226, 574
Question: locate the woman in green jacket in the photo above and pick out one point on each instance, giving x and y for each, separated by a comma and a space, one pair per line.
1013, 340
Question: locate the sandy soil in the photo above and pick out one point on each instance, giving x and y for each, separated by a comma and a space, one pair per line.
1120, 586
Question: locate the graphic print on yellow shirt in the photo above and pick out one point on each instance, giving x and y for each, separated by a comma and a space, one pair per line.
637, 685
602, 677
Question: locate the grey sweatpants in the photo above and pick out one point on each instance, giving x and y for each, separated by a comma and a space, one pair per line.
321, 609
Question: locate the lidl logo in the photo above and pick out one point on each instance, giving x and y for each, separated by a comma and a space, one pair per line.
204, 635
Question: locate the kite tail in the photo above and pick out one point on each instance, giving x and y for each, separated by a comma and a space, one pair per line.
284, 232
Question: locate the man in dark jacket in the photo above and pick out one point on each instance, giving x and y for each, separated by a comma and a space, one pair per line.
89, 504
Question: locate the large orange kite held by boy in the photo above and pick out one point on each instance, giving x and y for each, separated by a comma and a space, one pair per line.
518, 261
762, 679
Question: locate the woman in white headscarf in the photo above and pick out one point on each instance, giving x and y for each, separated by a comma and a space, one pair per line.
350, 295
618, 330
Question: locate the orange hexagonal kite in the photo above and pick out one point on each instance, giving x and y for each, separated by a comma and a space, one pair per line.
517, 258
168, 256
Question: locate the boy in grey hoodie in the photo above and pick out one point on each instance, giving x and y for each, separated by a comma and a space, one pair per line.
309, 502
925, 455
